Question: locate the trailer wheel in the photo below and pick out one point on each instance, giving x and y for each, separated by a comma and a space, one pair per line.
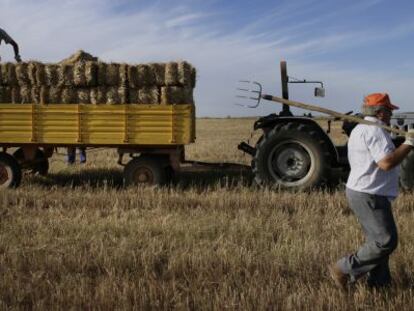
292, 156
10, 171
407, 172
40, 164
145, 171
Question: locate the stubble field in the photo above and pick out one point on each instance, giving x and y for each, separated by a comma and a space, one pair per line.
78, 240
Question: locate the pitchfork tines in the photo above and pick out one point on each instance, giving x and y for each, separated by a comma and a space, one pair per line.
249, 91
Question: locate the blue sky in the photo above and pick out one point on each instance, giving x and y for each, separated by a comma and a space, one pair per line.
355, 47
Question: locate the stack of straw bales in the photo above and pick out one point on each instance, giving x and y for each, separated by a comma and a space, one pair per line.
82, 79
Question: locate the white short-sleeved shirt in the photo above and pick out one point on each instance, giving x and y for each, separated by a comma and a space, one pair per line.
368, 145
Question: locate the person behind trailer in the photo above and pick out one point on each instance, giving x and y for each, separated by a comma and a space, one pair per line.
371, 187
71, 155
9, 40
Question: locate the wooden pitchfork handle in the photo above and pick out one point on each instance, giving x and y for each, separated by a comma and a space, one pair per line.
332, 113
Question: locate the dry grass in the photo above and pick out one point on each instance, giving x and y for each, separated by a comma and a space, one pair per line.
77, 239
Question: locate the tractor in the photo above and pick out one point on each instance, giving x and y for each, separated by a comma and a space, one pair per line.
295, 152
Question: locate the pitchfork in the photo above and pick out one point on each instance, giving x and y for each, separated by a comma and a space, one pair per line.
255, 88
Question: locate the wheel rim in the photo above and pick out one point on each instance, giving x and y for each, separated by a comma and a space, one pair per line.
5, 174
291, 163
143, 175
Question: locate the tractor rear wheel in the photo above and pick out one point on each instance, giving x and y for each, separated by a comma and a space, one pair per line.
407, 172
292, 156
145, 170
10, 171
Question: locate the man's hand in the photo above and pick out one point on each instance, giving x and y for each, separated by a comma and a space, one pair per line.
18, 58
409, 138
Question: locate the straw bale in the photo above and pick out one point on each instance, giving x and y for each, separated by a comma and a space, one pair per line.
68, 95
31, 72
98, 95
91, 73
193, 77
15, 96
79, 56
83, 96
112, 74
52, 75
41, 77
149, 96
25, 95
44, 95
158, 70
54, 95
101, 74
66, 75
112, 96
79, 74
171, 74
22, 75
35, 94
175, 95
123, 75
5, 95
141, 75
8, 73
123, 93
185, 74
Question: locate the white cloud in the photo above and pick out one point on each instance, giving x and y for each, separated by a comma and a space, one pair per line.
50, 30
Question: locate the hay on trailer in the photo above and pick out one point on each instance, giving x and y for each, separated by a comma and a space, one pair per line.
44, 95
123, 75
66, 75
101, 74
83, 96
26, 95
193, 77
141, 75
79, 56
22, 74
68, 95
15, 96
79, 74
98, 95
149, 96
171, 74
158, 70
185, 74
55, 95
123, 93
175, 95
112, 75
35, 93
9, 74
91, 73
31, 72
41, 78
5, 95
52, 75
112, 95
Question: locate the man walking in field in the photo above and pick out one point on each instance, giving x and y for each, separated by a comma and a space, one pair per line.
372, 186
8, 40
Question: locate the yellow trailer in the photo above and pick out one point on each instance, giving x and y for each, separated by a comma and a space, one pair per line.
154, 135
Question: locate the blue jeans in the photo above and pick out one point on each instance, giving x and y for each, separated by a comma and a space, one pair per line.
381, 239
71, 157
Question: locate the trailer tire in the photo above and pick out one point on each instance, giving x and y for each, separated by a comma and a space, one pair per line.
10, 171
292, 156
145, 171
407, 172
41, 165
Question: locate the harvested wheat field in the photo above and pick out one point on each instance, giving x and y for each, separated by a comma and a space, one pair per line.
78, 240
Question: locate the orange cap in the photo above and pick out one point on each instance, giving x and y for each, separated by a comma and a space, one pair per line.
379, 100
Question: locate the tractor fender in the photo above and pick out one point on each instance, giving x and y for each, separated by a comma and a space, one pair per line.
269, 122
